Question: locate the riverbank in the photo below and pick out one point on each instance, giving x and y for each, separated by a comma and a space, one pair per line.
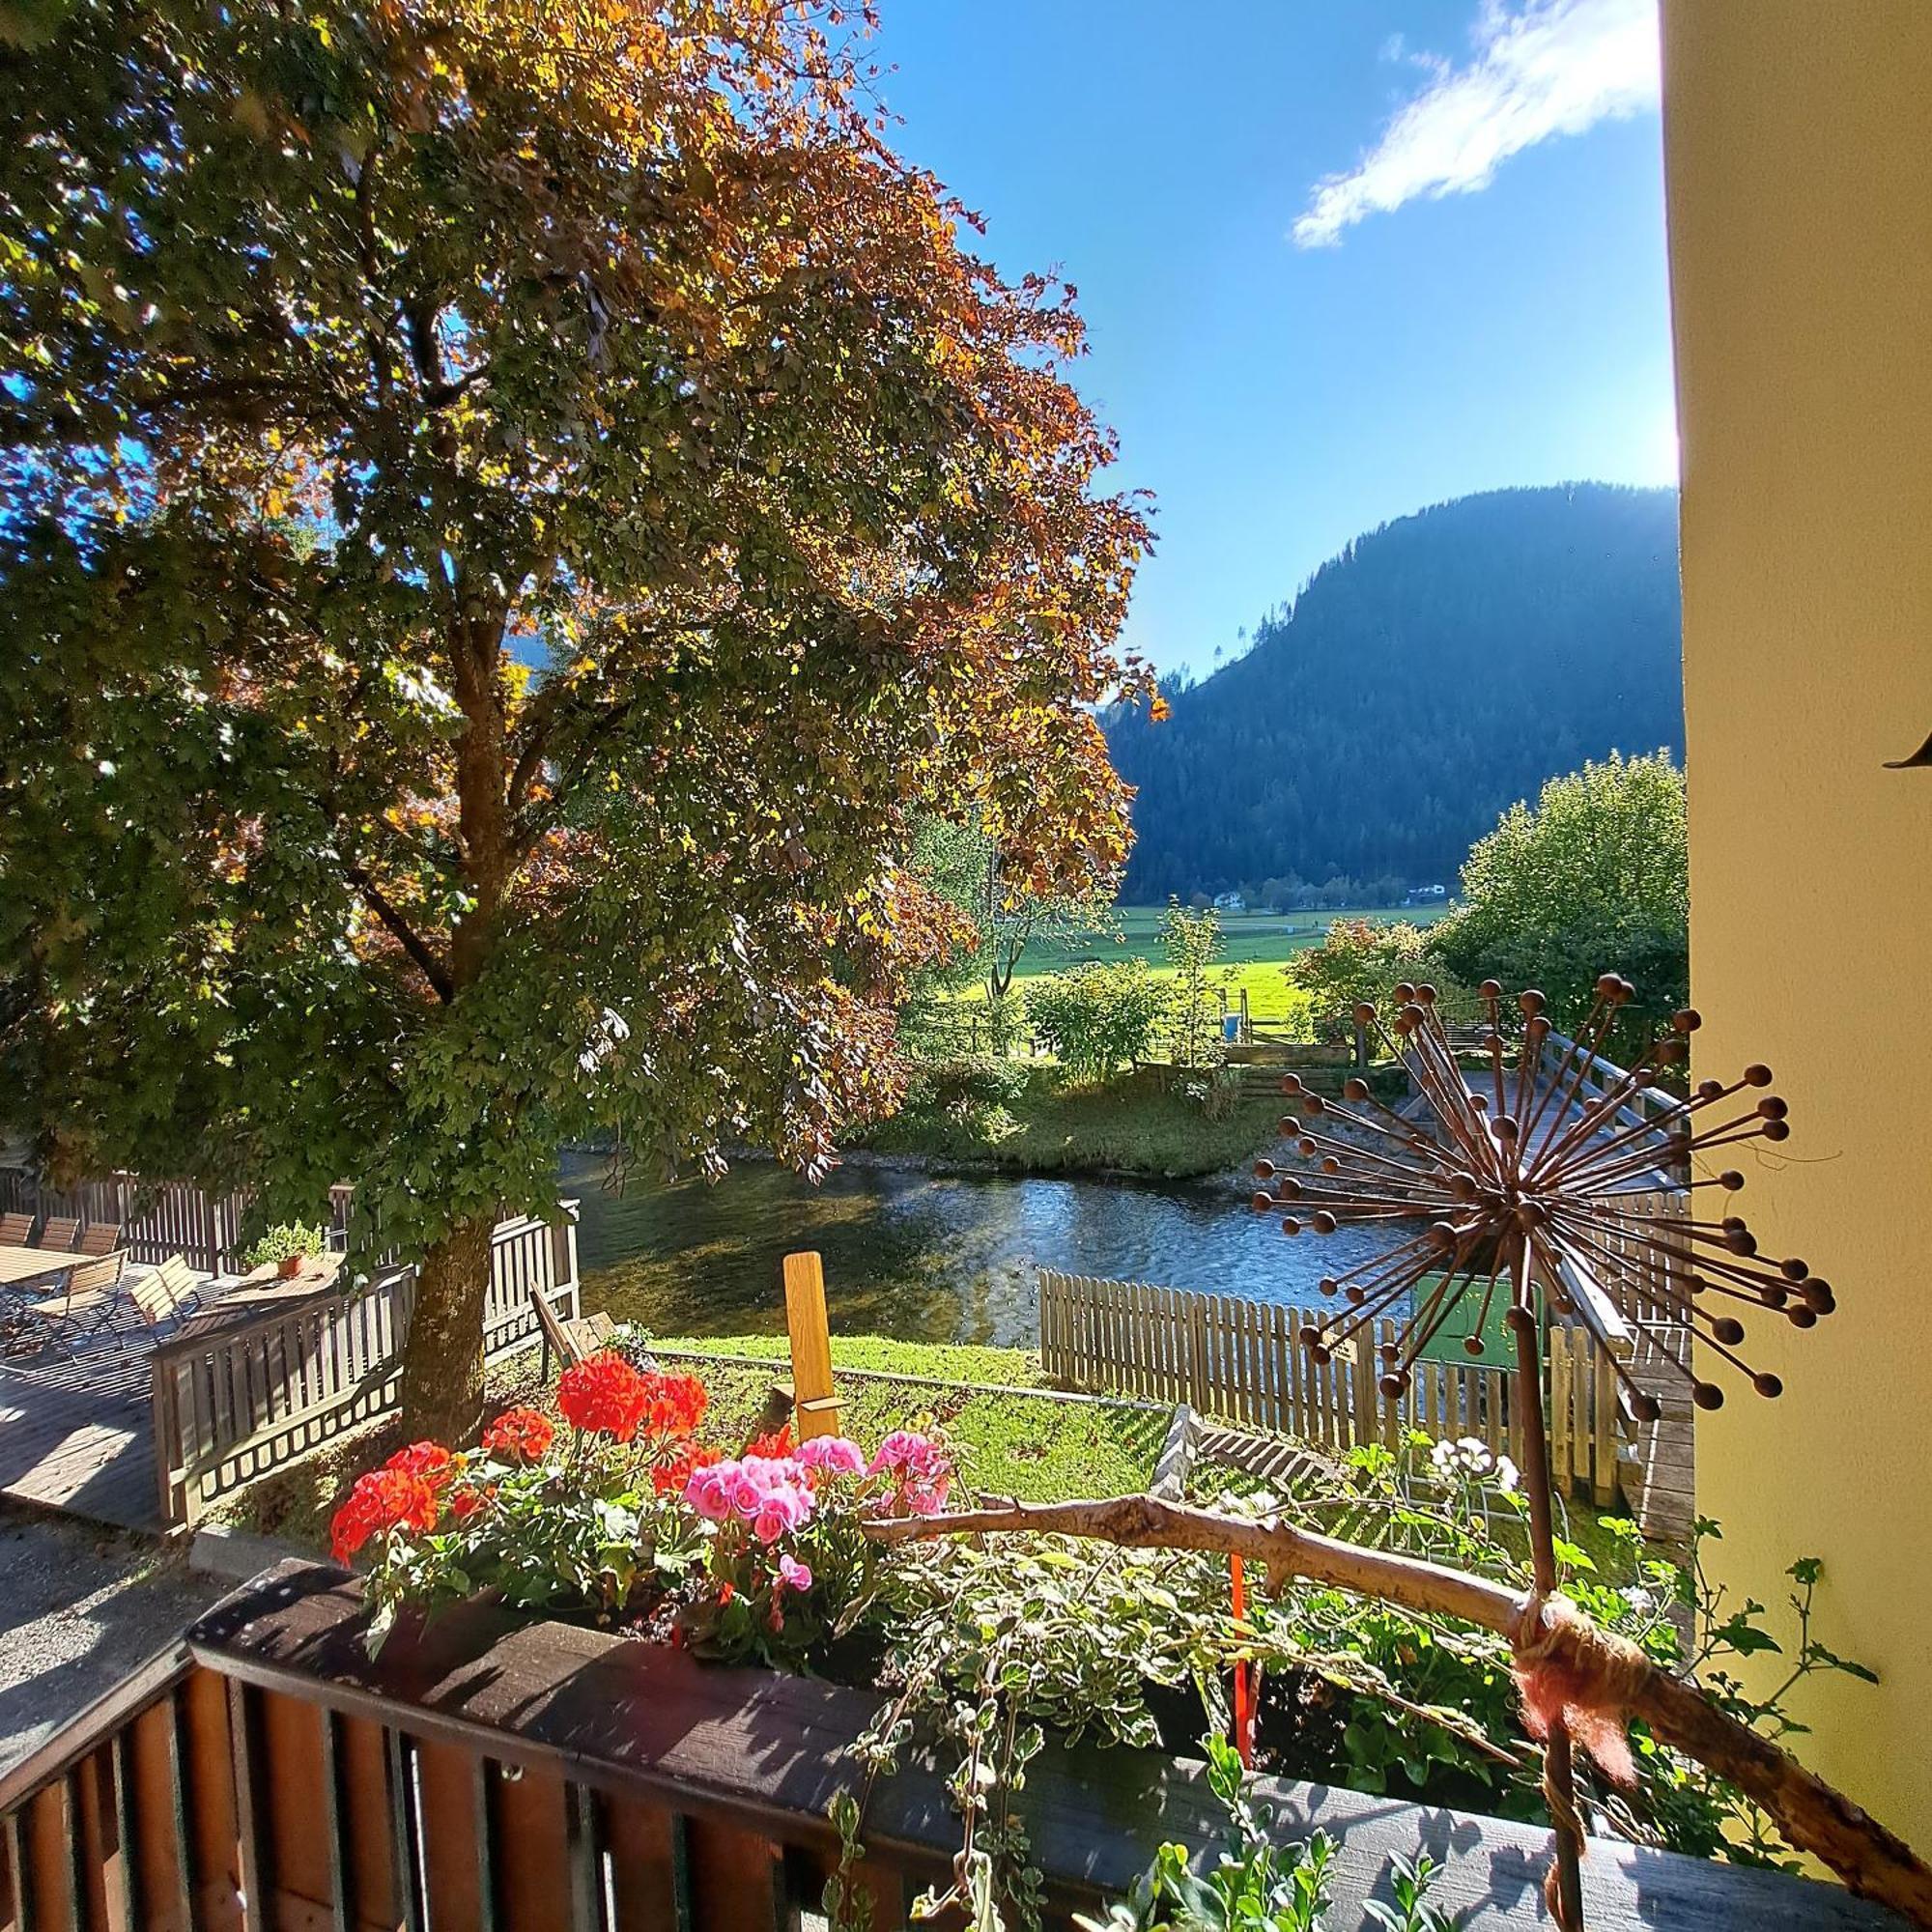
1021, 1116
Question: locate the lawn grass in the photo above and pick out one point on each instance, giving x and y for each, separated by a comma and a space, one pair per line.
1247, 938
1012, 1442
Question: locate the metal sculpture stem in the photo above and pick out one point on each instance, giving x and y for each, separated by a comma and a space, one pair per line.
1559, 1771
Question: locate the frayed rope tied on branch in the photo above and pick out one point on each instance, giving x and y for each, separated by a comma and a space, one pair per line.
1581, 1681
1574, 1676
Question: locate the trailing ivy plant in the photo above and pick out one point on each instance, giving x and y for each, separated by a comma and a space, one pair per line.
1255, 1884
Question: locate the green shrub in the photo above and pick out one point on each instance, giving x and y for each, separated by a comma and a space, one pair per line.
1359, 960
1094, 1017
1594, 878
979, 1077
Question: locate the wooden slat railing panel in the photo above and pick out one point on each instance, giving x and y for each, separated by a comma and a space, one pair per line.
233, 1404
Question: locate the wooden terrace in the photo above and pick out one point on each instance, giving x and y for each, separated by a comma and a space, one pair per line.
147, 1428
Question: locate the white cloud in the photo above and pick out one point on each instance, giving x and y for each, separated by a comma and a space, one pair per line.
1540, 68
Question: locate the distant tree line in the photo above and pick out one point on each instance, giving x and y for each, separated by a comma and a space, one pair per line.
1439, 668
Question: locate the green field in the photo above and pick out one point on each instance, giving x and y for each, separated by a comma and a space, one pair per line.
1255, 946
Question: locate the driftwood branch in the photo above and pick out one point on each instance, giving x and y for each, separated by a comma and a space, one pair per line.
1815, 1818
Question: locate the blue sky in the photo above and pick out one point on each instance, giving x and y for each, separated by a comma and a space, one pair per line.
1477, 297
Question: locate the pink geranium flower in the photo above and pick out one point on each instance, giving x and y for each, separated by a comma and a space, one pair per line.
772, 1493
835, 1455
919, 1470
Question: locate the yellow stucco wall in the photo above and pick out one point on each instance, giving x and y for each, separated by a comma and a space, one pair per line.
1798, 136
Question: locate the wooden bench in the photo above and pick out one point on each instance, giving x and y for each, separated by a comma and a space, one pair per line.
572, 1341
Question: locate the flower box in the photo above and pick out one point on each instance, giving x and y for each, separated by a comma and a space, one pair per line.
546, 1757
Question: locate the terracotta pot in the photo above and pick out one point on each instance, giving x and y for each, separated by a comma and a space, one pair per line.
292, 1266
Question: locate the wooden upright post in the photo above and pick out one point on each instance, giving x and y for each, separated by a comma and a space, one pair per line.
815, 1405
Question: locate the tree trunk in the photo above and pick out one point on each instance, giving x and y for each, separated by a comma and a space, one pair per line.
443, 1358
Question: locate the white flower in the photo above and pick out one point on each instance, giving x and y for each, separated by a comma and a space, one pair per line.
1506, 1476
1639, 1598
1467, 1455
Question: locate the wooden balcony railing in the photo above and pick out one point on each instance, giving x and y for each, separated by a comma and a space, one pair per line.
492, 1773
234, 1402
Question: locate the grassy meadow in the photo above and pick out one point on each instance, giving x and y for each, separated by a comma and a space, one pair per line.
1255, 947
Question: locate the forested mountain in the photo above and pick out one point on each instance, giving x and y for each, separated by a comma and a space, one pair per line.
1438, 670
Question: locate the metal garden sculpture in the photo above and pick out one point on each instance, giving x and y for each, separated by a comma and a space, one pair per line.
1533, 1185
1527, 1182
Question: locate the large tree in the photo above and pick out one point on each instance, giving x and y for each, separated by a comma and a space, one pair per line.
1596, 873
511, 511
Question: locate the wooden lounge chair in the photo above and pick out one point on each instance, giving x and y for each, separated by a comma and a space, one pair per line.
100, 1237
15, 1229
573, 1340
96, 1304
86, 1305
59, 1234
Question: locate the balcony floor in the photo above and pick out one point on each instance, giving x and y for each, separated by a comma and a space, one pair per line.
76, 1434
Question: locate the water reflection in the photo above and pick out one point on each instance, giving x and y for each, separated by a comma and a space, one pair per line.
933, 1258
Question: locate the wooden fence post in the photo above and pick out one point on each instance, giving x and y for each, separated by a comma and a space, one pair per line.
1603, 1429
814, 1402
1199, 1388
1362, 1368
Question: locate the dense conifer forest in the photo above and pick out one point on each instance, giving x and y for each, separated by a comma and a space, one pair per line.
1440, 668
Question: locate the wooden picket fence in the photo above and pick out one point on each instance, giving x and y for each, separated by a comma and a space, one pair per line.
157, 1218
1242, 1362
240, 1399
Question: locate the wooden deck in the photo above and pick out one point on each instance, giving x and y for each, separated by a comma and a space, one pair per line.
76, 1430
76, 1436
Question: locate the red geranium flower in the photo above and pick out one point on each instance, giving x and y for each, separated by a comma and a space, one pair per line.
670, 1477
430, 1461
776, 1443
604, 1395
465, 1503
521, 1434
674, 1404
383, 1500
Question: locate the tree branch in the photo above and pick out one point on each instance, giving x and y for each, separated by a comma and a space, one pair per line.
419, 322
1815, 1818
406, 935
531, 825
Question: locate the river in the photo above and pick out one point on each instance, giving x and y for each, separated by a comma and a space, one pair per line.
921, 1256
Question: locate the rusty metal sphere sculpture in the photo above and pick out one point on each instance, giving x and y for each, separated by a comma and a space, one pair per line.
1530, 1185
